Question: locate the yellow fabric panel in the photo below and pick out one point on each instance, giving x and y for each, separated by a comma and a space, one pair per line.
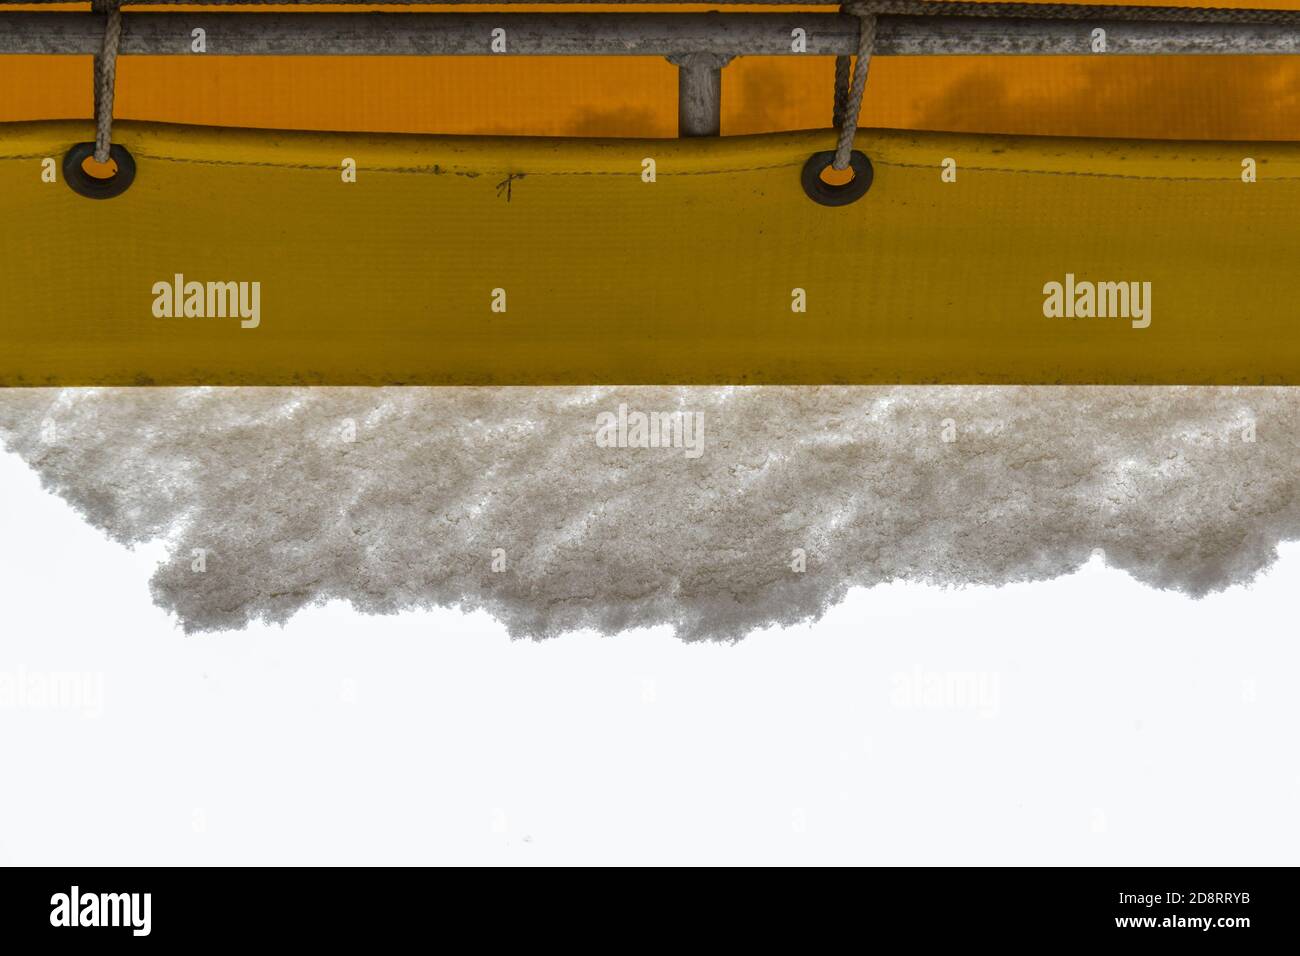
610, 279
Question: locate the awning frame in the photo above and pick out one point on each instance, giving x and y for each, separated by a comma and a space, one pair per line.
700, 44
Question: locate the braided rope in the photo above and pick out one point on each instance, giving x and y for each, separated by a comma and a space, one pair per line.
850, 95
106, 81
842, 74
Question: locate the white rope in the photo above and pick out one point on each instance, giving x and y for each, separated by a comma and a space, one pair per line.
106, 80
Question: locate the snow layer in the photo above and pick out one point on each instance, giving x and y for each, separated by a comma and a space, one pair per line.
398, 498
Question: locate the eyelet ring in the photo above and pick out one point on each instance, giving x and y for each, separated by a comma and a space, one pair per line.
825, 193
92, 187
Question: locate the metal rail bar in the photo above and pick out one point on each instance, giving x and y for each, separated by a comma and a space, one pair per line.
622, 34
430, 34
1029, 9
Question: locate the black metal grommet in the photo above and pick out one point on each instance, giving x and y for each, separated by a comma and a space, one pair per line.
92, 186
820, 191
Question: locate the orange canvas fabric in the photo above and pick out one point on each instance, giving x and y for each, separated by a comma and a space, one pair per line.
1159, 97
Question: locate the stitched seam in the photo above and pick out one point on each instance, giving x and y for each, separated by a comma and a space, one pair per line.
1087, 173
467, 172
426, 170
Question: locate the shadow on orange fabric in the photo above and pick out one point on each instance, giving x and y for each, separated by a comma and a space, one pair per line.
1157, 97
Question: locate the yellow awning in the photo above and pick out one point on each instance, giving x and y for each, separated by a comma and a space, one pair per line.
604, 277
